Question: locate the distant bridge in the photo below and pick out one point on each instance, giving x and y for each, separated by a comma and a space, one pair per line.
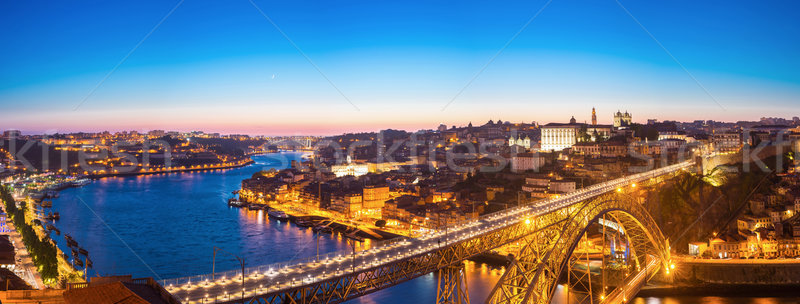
550, 229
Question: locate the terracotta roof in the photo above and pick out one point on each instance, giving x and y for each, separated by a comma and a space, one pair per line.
112, 293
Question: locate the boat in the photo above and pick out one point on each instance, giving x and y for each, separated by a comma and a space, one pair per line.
51, 194
83, 251
75, 253
47, 204
78, 262
58, 232
81, 182
88, 262
278, 214
236, 203
52, 216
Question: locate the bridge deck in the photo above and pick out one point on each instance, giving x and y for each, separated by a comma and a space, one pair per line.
623, 294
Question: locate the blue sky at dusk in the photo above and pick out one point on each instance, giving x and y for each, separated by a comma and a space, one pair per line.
221, 66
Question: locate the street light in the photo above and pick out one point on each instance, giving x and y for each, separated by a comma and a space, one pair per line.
214, 264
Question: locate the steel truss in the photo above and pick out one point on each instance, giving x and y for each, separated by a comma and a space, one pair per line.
452, 287
370, 279
533, 275
550, 241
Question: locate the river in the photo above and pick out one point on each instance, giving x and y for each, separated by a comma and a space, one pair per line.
167, 225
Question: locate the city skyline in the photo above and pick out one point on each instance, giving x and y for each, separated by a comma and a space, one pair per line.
365, 66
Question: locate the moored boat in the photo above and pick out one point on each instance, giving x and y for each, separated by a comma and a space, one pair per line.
278, 214
236, 203
81, 182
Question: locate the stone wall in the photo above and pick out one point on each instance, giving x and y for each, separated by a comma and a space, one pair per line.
773, 273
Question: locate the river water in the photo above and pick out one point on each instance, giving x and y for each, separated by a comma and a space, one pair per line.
167, 225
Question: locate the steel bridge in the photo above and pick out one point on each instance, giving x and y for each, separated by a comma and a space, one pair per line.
550, 231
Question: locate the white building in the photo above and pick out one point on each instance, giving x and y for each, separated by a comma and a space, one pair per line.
559, 136
522, 142
350, 169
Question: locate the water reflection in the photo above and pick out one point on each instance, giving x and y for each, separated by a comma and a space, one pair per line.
170, 222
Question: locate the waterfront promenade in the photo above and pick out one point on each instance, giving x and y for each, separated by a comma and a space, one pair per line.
25, 267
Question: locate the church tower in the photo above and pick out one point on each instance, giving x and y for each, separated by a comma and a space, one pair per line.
594, 117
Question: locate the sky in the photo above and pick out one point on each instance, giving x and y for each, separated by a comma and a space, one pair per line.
327, 67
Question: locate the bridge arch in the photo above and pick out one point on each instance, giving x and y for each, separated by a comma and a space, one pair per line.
533, 275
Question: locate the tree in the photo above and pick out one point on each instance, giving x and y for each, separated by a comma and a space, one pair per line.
380, 223
583, 134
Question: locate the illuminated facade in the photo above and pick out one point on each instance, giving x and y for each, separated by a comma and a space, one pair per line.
350, 169
557, 136
522, 142
622, 120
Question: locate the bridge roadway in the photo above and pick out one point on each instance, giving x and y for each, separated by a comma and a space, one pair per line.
276, 278
633, 284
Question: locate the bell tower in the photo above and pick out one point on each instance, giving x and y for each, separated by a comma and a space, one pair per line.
594, 117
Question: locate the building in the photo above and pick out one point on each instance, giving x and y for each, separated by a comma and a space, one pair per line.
374, 199
562, 186
601, 149
730, 246
726, 141
622, 120
697, 248
348, 204
7, 253
543, 186
522, 142
679, 135
559, 136
526, 161
350, 168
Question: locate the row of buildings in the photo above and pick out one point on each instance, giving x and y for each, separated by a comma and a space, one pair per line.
769, 227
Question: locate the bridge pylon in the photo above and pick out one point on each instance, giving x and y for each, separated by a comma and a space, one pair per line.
452, 285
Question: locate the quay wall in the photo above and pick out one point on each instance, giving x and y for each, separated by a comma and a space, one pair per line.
757, 273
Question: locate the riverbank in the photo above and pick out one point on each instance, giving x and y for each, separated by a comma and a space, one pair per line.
153, 171
40, 258
325, 224
758, 272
